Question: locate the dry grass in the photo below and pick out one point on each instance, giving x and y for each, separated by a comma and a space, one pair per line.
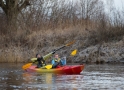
106, 35
22, 46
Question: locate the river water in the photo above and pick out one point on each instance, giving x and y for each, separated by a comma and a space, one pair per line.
93, 77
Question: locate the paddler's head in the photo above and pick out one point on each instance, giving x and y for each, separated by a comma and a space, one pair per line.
38, 55
56, 56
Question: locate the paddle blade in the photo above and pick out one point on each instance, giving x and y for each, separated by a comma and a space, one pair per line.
26, 66
48, 66
74, 52
70, 43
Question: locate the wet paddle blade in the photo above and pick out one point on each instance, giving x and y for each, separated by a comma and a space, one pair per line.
74, 52
26, 66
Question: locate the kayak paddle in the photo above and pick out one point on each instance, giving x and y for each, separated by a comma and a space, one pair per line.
58, 49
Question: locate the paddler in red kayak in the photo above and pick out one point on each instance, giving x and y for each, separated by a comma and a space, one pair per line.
56, 62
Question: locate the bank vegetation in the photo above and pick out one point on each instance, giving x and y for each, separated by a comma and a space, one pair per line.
45, 25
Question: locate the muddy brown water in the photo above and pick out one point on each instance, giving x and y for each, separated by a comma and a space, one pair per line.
93, 77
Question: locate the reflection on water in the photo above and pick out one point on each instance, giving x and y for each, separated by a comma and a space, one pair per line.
94, 77
52, 81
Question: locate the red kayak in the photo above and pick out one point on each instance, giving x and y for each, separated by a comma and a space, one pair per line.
72, 69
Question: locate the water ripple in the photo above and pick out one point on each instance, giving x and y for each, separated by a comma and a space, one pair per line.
94, 77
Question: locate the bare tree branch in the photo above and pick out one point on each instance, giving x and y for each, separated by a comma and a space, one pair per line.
2, 5
24, 5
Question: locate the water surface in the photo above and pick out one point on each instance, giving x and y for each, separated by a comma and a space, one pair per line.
94, 77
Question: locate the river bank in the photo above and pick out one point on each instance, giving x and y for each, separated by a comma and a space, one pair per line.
89, 50
112, 52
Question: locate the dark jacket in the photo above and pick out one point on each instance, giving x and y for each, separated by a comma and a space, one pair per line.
41, 62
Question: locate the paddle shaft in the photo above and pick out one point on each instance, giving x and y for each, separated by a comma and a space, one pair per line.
60, 48
65, 45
